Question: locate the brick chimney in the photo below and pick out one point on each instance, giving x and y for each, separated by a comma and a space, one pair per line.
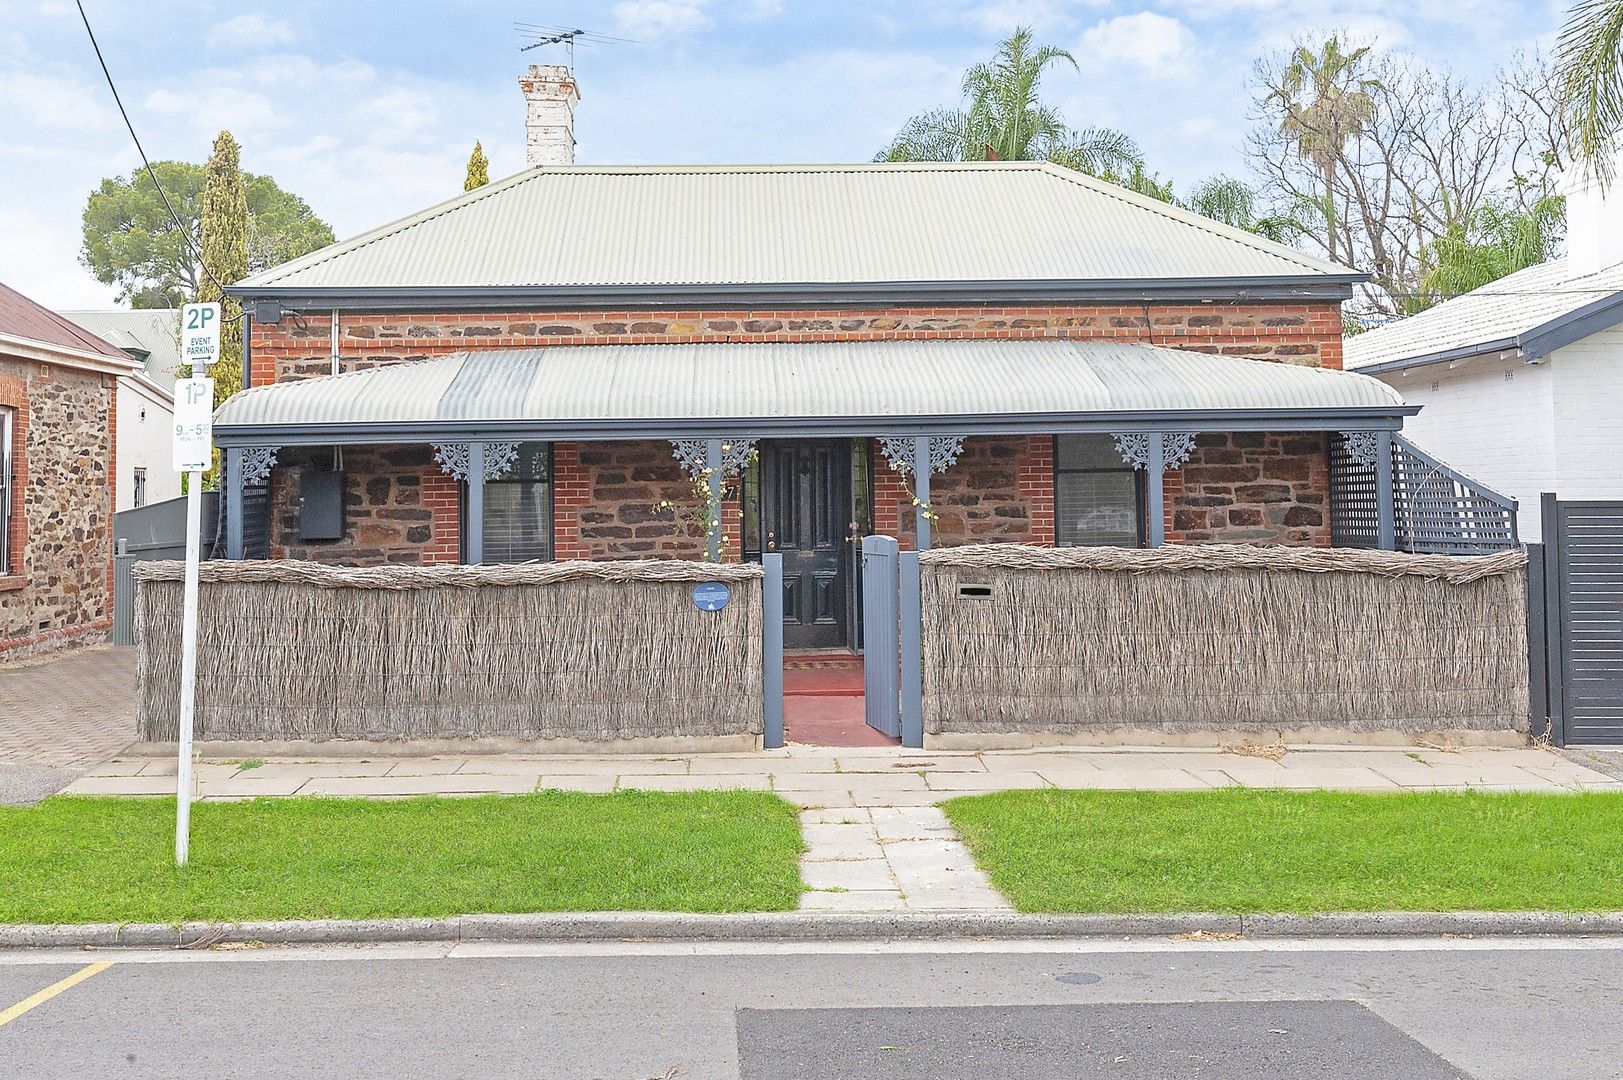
550, 95
1594, 219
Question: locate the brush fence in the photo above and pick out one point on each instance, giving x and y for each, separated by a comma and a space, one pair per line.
575, 650
1220, 637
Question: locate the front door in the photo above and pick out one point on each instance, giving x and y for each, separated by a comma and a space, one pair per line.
805, 512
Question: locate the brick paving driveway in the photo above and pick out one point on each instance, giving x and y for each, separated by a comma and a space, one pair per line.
76, 709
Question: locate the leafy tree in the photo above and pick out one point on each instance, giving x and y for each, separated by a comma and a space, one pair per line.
1590, 70
1002, 118
1499, 240
478, 168
131, 242
1325, 101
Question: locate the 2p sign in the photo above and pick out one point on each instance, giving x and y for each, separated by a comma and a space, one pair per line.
200, 334
194, 424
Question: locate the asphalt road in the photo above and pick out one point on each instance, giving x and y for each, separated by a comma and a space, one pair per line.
1123, 1010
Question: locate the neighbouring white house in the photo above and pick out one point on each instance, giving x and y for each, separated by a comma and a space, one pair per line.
146, 398
1521, 381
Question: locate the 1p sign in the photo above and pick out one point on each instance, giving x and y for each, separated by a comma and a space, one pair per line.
194, 424
200, 334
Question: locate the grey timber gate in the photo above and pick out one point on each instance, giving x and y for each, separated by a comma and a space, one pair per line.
1581, 567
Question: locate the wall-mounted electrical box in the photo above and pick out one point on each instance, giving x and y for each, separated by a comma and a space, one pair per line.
321, 505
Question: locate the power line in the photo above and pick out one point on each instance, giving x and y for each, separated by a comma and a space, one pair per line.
185, 233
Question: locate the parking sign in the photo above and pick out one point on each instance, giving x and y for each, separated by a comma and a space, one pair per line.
194, 424
200, 334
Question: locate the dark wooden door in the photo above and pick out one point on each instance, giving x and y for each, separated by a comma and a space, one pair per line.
805, 515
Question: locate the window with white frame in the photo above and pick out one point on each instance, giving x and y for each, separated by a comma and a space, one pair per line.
8, 482
1096, 494
138, 489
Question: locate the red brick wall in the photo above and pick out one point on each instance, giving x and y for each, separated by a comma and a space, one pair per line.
1294, 333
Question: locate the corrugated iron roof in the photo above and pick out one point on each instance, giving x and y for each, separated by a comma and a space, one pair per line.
794, 224
23, 318
881, 380
154, 331
1506, 314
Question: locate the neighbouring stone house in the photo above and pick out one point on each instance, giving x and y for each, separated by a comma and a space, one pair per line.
58, 463
542, 368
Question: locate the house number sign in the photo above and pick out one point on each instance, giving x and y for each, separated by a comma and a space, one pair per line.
711, 596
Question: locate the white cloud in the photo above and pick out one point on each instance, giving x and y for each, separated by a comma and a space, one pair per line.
1147, 40
53, 101
651, 20
1005, 16
250, 31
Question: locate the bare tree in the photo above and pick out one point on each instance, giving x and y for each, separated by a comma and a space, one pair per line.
1425, 153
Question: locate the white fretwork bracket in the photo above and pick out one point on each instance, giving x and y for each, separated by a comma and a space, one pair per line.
898, 450
1176, 448
690, 454
453, 458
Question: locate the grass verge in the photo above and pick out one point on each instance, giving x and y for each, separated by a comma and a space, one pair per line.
1238, 851
73, 860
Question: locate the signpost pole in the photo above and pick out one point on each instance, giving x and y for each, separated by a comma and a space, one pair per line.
188, 666
193, 454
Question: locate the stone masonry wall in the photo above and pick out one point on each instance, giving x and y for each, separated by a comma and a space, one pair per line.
62, 527
398, 508
299, 346
1252, 487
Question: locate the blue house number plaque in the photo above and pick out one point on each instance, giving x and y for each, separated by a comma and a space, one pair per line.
711, 596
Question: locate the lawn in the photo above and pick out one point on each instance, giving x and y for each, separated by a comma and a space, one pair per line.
1238, 851
72, 860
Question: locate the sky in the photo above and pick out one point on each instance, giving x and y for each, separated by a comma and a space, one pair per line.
368, 110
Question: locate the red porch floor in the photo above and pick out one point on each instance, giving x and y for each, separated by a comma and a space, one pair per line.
823, 704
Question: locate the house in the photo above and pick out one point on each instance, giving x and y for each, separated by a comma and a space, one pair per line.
146, 398
561, 364
58, 469
1521, 380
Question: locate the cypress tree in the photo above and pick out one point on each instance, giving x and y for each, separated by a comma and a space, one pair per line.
224, 227
478, 168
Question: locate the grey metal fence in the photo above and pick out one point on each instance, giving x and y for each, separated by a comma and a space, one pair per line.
1438, 510
881, 654
1581, 629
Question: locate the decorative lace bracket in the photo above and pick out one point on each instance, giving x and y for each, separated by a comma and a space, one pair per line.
257, 463
1176, 448
1363, 447
898, 450
453, 458
690, 454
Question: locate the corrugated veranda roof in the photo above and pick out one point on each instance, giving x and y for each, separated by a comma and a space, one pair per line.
880, 380
772, 225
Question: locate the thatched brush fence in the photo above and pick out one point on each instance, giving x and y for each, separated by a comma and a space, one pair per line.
1089, 641
573, 651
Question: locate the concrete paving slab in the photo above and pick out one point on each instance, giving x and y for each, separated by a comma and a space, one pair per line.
160, 766
849, 874
910, 822
1127, 779
247, 786
718, 781
401, 786
596, 785
852, 900
988, 781
1305, 779
118, 767
121, 785
775, 763
832, 799
431, 766
826, 842
867, 782
927, 763
836, 815
616, 765
311, 769
1415, 775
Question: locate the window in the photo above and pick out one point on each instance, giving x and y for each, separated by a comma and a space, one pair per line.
1096, 494
8, 470
518, 508
139, 488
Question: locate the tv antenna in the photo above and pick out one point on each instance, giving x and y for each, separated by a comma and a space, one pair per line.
540, 34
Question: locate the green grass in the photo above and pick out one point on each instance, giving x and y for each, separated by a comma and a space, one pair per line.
71, 860
1238, 851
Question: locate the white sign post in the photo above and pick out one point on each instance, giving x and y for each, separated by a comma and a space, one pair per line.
193, 454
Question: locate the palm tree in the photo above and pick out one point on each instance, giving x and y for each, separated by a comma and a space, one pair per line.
1500, 240
1589, 58
1231, 201
1326, 101
1003, 118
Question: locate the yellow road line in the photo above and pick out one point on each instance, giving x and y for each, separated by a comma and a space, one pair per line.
51, 991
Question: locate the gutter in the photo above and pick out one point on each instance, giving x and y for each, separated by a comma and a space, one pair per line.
46, 353
1324, 287
1531, 345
